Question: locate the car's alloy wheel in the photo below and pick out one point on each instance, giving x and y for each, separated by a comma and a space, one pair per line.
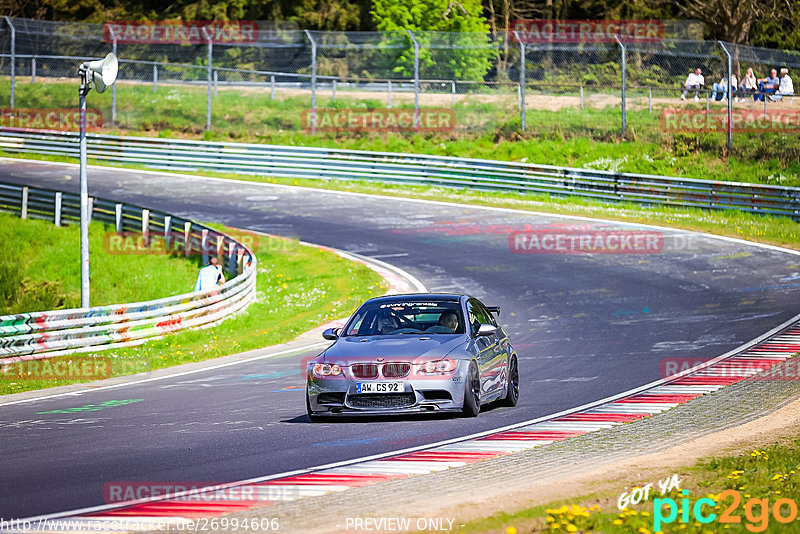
512, 388
472, 392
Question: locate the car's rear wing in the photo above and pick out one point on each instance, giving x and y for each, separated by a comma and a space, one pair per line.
494, 309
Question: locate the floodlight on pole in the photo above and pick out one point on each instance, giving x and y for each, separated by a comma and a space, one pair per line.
99, 74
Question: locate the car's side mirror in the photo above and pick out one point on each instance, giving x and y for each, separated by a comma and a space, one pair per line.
331, 334
486, 330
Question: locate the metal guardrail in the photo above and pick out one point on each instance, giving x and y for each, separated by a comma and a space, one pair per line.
324, 163
53, 333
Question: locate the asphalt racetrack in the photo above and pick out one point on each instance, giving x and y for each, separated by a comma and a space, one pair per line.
585, 326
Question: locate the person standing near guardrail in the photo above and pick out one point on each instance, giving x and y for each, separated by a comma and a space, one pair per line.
210, 276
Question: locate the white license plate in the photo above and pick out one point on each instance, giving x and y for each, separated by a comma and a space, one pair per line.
379, 387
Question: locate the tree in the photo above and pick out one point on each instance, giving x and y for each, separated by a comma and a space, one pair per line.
453, 36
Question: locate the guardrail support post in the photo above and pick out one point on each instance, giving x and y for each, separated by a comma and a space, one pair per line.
13, 56
90, 209
168, 232
581, 97
453, 88
216, 80
204, 245
220, 249
187, 234
33, 70
730, 94
118, 218
389, 89
57, 215
207, 35
272, 87
23, 214
650, 100
416, 78
624, 73
232, 258
333, 90
239, 261
313, 83
146, 225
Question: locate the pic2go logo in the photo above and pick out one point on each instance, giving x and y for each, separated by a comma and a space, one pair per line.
756, 511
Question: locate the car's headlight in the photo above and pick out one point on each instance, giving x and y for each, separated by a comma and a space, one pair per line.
324, 370
438, 367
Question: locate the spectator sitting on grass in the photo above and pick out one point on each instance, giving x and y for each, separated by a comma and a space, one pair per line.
720, 90
210, 276
786, 87
768, 85
694, 82
748, 86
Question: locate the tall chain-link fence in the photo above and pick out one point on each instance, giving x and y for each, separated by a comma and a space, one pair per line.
279, 78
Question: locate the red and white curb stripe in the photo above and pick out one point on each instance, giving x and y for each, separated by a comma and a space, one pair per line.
182, 509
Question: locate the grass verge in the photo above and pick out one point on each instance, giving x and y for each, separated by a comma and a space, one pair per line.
42, 270
299, 287
752, 491
486, 127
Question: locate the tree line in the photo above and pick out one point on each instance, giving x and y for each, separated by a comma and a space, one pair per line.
766, 23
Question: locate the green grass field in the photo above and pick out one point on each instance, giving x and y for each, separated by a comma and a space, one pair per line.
484, 129
41, 271
744, 490
299, 287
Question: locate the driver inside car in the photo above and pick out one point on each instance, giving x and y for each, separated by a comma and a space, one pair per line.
449, 320
387, 323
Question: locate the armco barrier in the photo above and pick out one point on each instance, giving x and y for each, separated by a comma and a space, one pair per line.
323, 163
51, 333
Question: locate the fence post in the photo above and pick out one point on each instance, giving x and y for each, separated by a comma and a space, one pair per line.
23, 214
33, 70
730, 94
210, 42
650, 100
333, 90
416, 78
313, 82
389, 84
272, 87
454, 93
155, 77
113, 87
118, 218
522, 80
13, 56
624, 73
581, 97
57, 214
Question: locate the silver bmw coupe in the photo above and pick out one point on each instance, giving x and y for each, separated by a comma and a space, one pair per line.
418, 353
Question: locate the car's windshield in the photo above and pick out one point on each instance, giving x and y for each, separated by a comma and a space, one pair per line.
399, 317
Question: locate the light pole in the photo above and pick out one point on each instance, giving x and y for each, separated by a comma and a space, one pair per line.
98, 74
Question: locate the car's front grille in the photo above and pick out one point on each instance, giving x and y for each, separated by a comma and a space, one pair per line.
364, 370
396, 370
389, 400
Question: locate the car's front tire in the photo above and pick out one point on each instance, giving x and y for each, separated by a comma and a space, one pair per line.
472, 392
512, 385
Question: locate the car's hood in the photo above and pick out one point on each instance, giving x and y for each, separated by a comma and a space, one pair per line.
402, 347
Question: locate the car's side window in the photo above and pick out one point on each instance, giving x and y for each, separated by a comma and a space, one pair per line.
488, 315
477, 314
